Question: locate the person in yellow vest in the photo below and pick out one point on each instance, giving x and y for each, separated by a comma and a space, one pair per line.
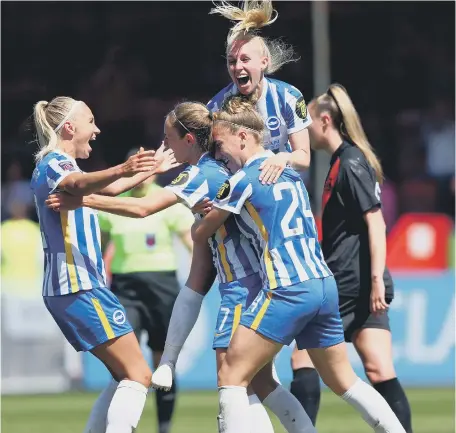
144, 277
21, 254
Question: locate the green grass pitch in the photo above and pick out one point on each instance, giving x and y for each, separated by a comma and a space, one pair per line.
433, 412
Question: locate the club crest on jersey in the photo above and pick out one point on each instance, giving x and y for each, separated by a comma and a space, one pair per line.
150, 240
66, 165
273, 123
119, 317
301, 108
224, 190
180, 179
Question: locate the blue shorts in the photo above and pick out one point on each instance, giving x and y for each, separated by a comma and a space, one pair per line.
88, 318
236, 297
307, 312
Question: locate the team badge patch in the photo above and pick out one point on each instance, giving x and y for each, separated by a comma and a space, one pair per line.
119, 317
224, 190
181, 179
150, 240
273, 123
66, 165
301, 108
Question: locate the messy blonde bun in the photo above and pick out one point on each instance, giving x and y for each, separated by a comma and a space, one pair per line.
239, 112
252, 17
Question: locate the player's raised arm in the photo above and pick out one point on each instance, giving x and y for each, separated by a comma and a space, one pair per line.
164, 161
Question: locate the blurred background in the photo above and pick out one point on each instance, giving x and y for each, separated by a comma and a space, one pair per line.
131, 62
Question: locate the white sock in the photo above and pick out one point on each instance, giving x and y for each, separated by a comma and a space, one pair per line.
184, 316
373, 408
234, 410
97, 418
126, 407
289, 411
259, 418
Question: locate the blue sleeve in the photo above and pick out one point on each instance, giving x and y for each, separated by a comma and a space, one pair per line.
296, 115
58, 169
234, 192
216, 102
190, 185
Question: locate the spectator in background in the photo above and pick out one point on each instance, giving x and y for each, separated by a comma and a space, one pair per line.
144, 275
16, 189
21, 252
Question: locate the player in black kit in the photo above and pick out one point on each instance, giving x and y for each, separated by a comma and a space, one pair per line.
354, 246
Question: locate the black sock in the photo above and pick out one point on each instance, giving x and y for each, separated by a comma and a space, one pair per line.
165, 407
306, 388
394, 394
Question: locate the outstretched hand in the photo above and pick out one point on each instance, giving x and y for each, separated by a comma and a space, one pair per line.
141, 162
63, 201
167, 159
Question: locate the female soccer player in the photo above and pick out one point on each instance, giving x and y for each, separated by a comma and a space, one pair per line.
144, 278
251, 58
354, 241
75, 289
299, 297
187, 131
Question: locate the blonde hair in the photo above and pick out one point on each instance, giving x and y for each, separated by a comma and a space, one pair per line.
239, 112
192, 118
49, 118
254, 16
340, 107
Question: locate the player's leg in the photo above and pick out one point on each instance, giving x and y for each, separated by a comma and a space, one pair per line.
162, 289
99, 412
305, 385
281, 402
272, 320
124, 357
125, 288
324, 339
258, 416
234, 298
95, 320
185, 313
374, 347
247, 354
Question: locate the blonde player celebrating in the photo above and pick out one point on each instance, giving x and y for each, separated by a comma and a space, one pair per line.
251, 59
188, 129
299, 298
74, 288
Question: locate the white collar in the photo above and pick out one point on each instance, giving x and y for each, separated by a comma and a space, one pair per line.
263, 154
57, 150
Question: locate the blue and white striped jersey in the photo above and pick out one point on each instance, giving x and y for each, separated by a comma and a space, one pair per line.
234, 257
282, 108
278, 222
71, 240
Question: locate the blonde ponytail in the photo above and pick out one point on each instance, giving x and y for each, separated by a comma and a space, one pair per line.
254, 16
337, 102
48, 116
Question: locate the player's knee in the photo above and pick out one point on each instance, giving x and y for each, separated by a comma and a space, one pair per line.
378, 370
300, 359
229, 376
263, 386
139, 372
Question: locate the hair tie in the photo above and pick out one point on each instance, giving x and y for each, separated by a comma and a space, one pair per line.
211, 116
